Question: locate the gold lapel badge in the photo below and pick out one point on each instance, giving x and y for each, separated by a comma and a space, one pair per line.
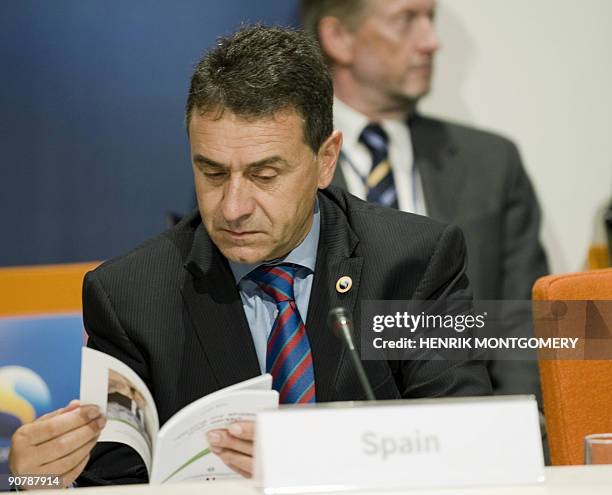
344, 284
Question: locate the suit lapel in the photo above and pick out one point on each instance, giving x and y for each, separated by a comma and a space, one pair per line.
215, 308
336, 245
435, 156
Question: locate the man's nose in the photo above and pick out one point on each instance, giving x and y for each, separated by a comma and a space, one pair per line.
429, 41
237, 204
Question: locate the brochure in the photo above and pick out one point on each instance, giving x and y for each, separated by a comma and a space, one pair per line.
179, 450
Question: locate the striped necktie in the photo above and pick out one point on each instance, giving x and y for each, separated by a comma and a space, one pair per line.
288, 356
380, 183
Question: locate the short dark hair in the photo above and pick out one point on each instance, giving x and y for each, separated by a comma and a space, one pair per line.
312, 11
259, 71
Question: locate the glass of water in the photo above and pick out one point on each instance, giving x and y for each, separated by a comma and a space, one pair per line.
598, 448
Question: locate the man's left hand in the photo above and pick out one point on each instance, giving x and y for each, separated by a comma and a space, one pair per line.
235, 446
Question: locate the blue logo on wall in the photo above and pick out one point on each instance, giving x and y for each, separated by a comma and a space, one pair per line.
24, 396
40, 362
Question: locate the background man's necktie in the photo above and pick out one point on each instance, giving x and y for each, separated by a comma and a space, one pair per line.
288, 356
380, 183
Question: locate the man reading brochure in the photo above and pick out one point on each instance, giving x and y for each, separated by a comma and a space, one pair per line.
243, 286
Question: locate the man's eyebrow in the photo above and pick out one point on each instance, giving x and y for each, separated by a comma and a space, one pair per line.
268, 161
202, 160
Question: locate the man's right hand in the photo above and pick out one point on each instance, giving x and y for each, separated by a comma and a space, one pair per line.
57, 443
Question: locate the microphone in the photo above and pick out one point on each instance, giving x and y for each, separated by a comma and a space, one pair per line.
341, 324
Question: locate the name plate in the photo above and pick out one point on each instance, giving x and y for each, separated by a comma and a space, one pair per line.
430, 443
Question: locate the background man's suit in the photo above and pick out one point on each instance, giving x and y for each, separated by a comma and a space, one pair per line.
475, 179
170, 310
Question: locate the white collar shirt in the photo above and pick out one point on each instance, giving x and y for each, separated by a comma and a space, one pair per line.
356, 160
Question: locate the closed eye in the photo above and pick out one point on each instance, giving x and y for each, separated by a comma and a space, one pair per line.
265, 174
214, 176
264, 179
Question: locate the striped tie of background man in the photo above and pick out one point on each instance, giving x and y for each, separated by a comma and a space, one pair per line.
288, 357
380, 183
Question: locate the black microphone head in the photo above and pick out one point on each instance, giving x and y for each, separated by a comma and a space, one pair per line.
337, 318
341, 323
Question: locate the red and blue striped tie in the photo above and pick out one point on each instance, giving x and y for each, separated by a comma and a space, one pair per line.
288, 356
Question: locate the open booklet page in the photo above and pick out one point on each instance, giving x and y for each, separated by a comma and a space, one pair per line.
180, 450
122, 395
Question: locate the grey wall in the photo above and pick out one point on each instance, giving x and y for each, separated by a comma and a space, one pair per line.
539, 71
93, 153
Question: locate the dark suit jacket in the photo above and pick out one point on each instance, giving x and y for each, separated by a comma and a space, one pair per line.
475, 180
172, 312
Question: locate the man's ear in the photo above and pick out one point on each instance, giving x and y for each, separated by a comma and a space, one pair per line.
336, 40
327, 158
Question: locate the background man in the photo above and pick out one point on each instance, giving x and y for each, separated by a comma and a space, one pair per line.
380, 54
245, 284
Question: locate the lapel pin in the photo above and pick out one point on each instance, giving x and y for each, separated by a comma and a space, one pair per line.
344, 284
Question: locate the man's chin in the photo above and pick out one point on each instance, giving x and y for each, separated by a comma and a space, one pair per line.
413, 91
243, 254
418, 91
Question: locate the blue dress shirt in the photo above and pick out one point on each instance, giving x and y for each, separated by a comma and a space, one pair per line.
259, 307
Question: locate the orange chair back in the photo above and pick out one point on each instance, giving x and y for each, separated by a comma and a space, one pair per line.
598, 257
42, 289
577, 394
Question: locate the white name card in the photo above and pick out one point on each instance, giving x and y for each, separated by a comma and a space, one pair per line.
429, 443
